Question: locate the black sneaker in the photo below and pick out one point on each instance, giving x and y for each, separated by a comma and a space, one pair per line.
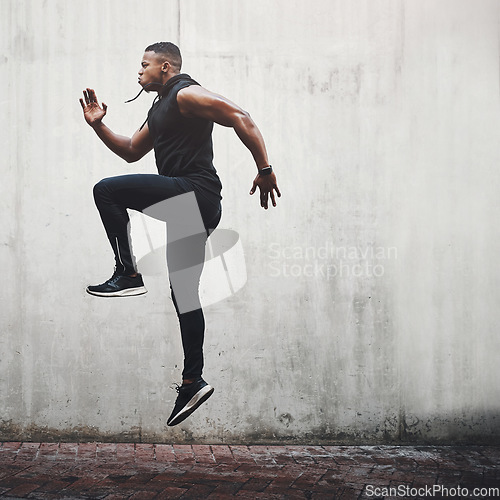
190, 397
119, 286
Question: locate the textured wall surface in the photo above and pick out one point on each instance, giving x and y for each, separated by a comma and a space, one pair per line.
366, 305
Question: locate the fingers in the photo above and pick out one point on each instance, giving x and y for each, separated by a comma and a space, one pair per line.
92, 95
89, 96
272, 198
86, 96
264, 199
81, 102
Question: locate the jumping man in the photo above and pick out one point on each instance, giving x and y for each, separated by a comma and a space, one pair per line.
186, 193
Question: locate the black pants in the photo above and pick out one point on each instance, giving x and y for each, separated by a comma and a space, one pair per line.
191, 214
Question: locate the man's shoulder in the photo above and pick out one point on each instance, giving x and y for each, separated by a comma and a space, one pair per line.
191, 89
191, 94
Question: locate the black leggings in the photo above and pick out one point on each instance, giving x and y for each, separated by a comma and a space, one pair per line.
190, 216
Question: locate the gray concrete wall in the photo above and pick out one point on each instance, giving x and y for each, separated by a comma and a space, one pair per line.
365, 306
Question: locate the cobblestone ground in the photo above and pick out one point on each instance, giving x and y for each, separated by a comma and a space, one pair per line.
144, 471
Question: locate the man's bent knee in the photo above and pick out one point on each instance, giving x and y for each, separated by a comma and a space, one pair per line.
102, 188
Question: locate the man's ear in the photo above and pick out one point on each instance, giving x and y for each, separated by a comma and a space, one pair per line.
165, 66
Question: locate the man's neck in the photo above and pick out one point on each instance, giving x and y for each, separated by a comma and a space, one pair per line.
166, 78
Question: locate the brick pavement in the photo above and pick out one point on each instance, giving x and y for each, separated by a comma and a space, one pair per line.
160, 471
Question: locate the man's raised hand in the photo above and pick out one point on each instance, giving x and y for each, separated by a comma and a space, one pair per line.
92, 112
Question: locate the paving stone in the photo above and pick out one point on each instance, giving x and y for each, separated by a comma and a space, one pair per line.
197, 492
226, 488
171, 492
81, 485
11, 446
125, 452
203, 454
242, 454
301, 455
143, 495
282, 455
267, 495
144, 452
256, 484
164, 453
309, 478
22, 490
262, 455
222, 453
87, 450
183, 448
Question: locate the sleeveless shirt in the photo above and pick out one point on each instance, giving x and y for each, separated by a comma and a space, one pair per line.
182, 146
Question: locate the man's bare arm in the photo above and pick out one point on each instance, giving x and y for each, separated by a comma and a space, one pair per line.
129, 148
195, 101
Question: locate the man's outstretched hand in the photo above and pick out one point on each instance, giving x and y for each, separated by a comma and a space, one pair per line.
267, 185
92, 112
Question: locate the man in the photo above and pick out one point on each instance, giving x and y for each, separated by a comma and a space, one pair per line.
186, 194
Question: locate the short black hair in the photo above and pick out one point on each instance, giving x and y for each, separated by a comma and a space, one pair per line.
169, 50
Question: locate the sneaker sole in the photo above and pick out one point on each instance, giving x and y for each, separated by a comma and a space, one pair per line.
127, 292
195, 402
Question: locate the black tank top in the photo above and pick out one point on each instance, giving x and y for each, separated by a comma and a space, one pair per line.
183, 146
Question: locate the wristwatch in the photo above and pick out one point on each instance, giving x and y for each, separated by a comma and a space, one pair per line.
266, 170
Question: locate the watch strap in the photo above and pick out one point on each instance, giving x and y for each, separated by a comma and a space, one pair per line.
266, 170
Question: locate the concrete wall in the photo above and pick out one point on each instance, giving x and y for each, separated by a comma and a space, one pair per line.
369, 306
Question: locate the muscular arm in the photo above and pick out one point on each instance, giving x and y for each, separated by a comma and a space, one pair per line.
129, 148
195, 101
